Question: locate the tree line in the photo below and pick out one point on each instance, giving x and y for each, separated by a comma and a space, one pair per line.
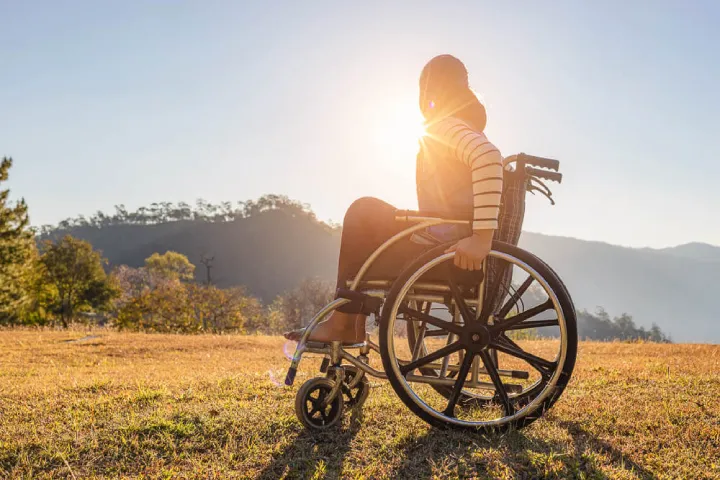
600, 326
63, 280
67, 283
166, 212
597, 326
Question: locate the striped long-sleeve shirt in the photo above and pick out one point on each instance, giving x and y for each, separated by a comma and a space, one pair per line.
485, 162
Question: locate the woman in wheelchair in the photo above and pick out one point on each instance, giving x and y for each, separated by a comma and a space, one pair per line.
487, 344
459, 172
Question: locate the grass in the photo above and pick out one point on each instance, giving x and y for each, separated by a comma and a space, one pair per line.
162, 406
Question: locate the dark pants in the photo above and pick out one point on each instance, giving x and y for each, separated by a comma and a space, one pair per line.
368, 223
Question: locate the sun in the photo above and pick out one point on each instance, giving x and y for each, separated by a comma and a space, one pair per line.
401, 127
411, 124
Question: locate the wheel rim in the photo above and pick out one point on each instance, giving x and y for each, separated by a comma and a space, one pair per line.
475, 342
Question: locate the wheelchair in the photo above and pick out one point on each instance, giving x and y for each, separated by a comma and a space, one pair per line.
487, 351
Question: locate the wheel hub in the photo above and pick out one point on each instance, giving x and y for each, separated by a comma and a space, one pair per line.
478, 337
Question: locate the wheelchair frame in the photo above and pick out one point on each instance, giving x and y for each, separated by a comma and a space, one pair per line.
335, 353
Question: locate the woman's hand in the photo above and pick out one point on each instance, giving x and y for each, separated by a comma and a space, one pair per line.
471, 251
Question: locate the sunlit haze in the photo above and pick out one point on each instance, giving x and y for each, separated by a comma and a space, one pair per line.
138, 102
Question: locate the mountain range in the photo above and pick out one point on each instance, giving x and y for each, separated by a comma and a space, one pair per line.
273, 251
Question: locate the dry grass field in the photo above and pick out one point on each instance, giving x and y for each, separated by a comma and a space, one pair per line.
167, 406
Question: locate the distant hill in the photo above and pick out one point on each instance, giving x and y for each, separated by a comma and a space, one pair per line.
274, 250
697, 251
673, 287
269, 252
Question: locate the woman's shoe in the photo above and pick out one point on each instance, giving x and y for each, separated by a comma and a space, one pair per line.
348, 328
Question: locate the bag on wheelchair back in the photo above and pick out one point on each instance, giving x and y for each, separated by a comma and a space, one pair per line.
498, 277
516, 183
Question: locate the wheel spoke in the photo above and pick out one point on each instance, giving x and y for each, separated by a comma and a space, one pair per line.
545, 367
465, 311
419, 340
459, 384
435, 333
534, 324
515, 297
450, 327
500, 391
508, 341
436, 355
508, 323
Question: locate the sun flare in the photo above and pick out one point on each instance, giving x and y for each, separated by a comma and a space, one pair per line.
401, 127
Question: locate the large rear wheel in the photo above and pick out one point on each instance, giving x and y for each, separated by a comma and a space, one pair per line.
486, 369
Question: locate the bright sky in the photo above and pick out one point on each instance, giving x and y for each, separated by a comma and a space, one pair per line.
133, 102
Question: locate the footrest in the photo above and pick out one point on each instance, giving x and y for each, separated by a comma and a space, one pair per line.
359, 302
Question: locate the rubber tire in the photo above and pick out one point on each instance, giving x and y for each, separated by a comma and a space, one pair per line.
571, 330
301, 398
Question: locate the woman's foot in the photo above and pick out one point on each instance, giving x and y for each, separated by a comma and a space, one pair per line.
348, 328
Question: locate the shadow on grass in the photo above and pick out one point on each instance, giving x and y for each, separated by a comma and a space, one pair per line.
314, 454
455, 454
463, 455
584, 441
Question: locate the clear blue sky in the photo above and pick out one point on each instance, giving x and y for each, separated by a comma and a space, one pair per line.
133, 102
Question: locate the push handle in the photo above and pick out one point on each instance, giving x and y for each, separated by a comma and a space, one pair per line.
552, 176
541, 162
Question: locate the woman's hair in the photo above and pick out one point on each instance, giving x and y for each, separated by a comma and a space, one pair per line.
445, 91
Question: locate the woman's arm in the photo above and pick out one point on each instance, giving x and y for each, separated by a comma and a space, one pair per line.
485, 162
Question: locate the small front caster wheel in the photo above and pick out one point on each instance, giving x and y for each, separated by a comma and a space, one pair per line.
310, 406
356, 394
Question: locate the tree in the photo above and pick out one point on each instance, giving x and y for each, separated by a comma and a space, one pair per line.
295, 308
656, 335
207, 261
17, 249
42, 294
216, 310
151, 299
170, 265
625, 327
600, 327
76, 272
